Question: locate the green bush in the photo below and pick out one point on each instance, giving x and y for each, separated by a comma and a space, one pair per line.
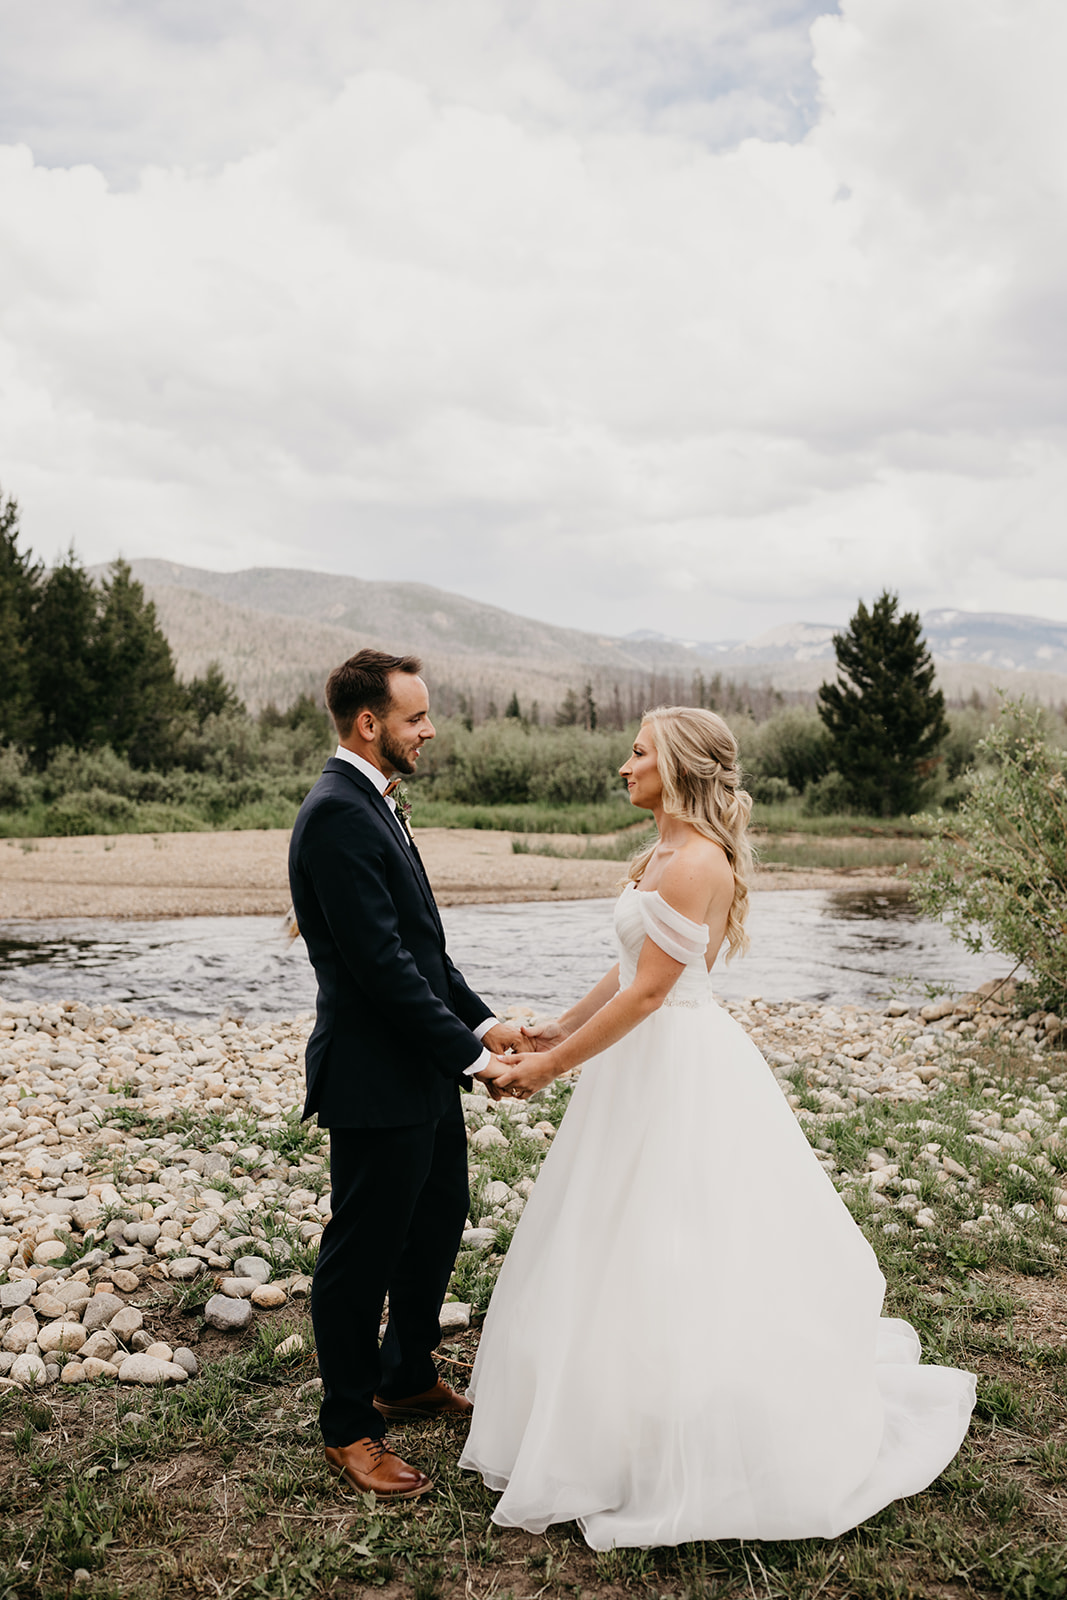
505, 763
90, 811
16, 786
828, 797
998, 870
793, 746
769, 791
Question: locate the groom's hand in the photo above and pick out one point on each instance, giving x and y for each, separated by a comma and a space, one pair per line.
488, 1076
504, 1036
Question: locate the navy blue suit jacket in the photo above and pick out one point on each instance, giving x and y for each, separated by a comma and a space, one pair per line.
393, 1032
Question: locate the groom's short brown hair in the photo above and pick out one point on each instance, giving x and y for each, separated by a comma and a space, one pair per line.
362, 684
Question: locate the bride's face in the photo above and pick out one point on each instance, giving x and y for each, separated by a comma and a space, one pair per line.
643, 782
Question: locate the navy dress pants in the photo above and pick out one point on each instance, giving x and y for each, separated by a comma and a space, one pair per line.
399, 1202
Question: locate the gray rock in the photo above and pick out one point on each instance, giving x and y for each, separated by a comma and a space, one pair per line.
228, 1314
101, 1345
29, 1370
185, 1268
253, 1267
16, 1294
478, 1239
455, 1318
185, 1358
149, 1369
216, 1165
100, 1310
125, 1323
205, 1227
131, 1259
147, 1233
239, 1288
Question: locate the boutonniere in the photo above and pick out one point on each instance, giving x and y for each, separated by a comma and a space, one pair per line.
403, 803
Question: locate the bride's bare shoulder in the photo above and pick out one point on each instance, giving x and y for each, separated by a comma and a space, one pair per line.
696, 875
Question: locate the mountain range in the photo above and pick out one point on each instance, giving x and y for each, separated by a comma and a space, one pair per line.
276, 632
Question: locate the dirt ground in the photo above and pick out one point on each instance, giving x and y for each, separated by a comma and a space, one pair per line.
244, 873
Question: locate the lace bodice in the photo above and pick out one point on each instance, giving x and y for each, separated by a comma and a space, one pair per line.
642, 914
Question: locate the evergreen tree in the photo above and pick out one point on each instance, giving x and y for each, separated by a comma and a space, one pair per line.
589, 708
212, 696
62, 665
884, 716
136, 692
569, 712
512, 707
20, 581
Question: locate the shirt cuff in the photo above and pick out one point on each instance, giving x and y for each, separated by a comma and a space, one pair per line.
483, 1027
479, 1065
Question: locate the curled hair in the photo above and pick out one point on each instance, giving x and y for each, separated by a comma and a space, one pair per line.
696, 756
362, 684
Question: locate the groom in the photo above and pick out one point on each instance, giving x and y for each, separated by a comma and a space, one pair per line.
397, 1033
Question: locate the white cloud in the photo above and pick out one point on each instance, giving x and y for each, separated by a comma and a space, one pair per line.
485, 295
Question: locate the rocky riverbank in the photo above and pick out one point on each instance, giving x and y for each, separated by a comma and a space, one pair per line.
141, 1158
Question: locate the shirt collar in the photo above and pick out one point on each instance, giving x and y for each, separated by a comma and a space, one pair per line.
378, 778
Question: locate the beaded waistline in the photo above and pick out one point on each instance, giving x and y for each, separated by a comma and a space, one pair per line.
690, 1005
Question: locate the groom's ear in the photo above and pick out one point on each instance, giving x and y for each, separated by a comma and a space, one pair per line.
364, 725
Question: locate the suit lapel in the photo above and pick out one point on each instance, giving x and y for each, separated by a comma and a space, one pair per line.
407, 845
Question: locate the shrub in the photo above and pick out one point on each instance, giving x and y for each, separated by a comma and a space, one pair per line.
89, 811
769, 791
998, 870
16, 786
829, 797
793, 745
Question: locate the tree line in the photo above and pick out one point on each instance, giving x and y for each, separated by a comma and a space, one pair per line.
85, 665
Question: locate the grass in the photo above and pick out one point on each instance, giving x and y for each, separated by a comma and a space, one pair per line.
605, 816
789, 817
852, 853
218, 1487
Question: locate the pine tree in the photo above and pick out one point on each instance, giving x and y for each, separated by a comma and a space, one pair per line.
136, 692
589, 708
212, 696
512, 708
20, 582
884, 716
569, 712
62, 665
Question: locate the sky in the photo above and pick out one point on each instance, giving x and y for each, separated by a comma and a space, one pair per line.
699, 316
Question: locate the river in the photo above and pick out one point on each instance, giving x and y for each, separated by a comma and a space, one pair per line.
837, 946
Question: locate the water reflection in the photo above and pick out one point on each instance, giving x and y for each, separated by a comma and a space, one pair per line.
844, 945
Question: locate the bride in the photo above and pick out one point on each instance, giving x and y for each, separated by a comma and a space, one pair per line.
686, 1340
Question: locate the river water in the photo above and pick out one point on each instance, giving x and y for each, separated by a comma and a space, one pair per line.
836, 946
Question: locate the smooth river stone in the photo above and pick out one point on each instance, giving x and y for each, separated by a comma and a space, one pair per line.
61, 1336
228, 1314
144, 1368
239, 1288
253, 1267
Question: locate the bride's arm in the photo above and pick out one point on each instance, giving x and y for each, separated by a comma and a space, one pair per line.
699, 889
547, 1034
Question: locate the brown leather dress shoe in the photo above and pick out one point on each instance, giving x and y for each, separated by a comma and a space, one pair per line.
440, 1401
370, 1464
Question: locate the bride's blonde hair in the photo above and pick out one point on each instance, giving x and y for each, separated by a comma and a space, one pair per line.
696, 756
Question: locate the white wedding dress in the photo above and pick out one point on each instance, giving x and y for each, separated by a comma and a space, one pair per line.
686, 1340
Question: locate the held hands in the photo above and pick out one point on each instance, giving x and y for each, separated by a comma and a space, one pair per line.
543, 1035
504, 1036
521, 1076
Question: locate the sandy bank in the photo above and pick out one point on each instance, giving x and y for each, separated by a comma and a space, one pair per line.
244, 874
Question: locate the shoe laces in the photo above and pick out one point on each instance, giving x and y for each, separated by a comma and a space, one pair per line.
377, 1448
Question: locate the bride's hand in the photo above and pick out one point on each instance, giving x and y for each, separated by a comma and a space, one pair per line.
523, 1075
543, 1035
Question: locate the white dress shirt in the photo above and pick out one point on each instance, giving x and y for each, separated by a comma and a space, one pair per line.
381, 783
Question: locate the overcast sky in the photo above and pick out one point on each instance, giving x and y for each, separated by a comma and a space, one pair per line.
693, 315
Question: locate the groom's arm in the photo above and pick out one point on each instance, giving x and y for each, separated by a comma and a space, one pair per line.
345, 870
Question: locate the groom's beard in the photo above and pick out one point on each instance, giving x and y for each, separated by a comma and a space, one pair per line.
396, 754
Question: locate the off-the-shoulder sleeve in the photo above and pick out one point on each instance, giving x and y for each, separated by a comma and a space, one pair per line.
680, 938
